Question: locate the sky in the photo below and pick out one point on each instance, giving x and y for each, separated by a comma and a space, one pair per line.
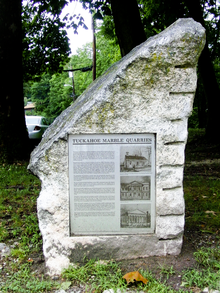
84, 36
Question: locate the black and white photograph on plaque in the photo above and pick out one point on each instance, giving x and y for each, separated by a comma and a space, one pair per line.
135, 158
135, 215
134, 188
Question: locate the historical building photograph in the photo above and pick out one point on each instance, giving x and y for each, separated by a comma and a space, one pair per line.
135, 216
135, 158
135, 188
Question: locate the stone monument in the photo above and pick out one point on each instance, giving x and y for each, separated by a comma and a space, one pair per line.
111, 165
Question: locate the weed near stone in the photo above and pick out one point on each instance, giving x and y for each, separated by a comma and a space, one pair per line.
24, 281
96, 275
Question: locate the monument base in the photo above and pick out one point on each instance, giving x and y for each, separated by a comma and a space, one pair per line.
108, 247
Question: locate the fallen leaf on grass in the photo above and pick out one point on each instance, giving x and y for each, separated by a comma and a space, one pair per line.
211, 212
134, 276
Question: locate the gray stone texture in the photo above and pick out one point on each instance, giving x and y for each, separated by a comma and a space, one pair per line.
4, 250
150, 90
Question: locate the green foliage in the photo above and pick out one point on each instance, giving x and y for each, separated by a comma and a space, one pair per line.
208, 256
199, 148
203, 205
157, 15
167, 271
155, 286
59, 96
53, 94
201, 184
107, 29
101, 276
194, 119
202, 278
39, 90
107, 54
206, 277
45, 42
25, 282
82, 59
199, 116
98, 274
18, 192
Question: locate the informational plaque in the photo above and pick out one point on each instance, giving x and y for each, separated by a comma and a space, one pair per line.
112, 184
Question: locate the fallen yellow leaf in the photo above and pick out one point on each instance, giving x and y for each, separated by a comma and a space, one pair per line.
211, 212
134, 276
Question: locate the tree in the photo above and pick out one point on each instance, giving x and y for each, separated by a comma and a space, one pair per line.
127, 22
59, 96
45, 41
34, 42
39, 93
13, 134
206, 69
107, 54
128, 25
53, 94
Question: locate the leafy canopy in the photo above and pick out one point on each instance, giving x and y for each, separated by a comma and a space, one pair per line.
45, 42
54, 93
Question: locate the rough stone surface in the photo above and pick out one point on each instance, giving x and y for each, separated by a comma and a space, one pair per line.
150, 90
4, 250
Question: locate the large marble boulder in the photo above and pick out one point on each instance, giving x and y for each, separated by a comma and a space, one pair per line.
150, 90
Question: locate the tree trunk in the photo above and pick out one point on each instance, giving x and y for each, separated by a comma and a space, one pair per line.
128, 26
13, 133
202, 111
208, 76
212, 93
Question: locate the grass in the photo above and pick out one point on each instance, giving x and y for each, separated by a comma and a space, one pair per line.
19, 227
208, 272
18, 193
202, 196
167, 271
24, 281
98, 276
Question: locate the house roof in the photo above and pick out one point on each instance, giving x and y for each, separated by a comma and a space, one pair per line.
128, 157
133, 183
135, 212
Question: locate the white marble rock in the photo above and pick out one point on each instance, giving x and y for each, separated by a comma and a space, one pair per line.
150, 90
